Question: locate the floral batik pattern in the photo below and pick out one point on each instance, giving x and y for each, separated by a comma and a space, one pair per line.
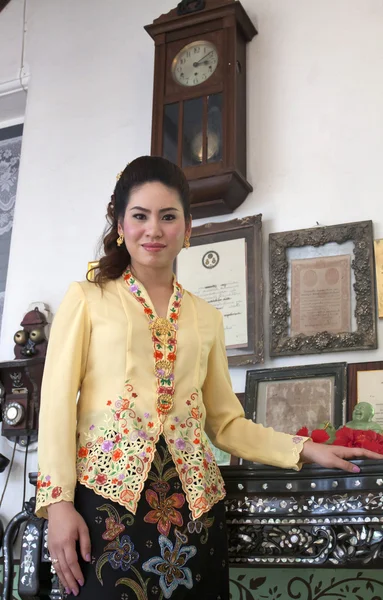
160, 552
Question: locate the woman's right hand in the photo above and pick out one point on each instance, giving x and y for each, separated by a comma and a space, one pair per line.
66, 528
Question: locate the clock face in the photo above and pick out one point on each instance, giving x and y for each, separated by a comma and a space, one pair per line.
195, 63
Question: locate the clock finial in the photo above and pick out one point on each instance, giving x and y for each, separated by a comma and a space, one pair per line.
190, 6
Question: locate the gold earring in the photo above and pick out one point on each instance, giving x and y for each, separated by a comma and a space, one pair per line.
187, 242
120, 240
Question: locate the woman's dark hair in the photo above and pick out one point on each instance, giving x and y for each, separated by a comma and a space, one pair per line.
140, 171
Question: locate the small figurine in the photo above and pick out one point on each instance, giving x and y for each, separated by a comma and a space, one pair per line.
31, 341
362, 418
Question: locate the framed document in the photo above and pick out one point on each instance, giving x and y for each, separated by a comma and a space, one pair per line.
289, 398
224, 267
365, 384
322, 290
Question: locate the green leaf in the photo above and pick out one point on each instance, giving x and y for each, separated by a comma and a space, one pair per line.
112, 512
100, 563
170, 474
369, 586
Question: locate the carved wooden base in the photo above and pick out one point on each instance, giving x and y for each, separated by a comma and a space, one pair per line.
298, 519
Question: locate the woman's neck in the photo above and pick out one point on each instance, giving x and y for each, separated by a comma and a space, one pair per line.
153, 277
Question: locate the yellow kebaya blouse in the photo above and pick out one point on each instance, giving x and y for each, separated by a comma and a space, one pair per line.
117, 377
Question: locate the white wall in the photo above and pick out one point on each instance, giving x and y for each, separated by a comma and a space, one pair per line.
315, 130
14, 70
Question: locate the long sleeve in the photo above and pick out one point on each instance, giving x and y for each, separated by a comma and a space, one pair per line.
64, 369
227, 426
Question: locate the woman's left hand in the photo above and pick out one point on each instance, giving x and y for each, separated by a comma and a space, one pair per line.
335, 457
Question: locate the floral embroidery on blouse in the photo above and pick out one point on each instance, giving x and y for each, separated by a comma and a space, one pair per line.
114, 459
48, 492
197, 469
164, 337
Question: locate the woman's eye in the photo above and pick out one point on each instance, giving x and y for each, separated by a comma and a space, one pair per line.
169, 217
139, 216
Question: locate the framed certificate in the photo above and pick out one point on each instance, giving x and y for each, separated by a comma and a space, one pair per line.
365, 384
224, 267
322, 290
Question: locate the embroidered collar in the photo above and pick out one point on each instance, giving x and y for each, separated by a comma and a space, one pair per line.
164, 336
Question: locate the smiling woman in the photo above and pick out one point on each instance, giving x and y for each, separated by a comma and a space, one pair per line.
149, 360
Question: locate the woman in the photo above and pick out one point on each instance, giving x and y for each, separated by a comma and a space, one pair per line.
135, 502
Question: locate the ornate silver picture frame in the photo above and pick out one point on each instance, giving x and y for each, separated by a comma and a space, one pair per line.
322, 290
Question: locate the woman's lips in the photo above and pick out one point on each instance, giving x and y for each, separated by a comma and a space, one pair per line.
153, 247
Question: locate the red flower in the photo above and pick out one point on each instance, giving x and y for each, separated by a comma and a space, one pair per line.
164, 513
86, 477
150, 424
148, 311
179, 460
176, 304
158, 355
109, 403
141, 299
303, 431
117, 454
359, 438
174, 316
172, 341
83, 452
114, 481
101, 479
134, 395
172, 427
172, 356
344, 437
196, 441
205, 463
126, 431
319, 436
56, 492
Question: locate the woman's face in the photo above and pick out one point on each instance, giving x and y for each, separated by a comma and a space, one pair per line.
154, 225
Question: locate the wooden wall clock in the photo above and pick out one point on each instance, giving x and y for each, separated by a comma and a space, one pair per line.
199, 99
3, 4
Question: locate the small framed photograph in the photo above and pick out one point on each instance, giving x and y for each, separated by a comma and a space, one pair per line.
322, 290
224, 267
289, 398
365, 384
